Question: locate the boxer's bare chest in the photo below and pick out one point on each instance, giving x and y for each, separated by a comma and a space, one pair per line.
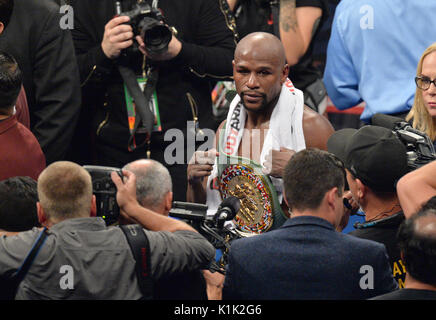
252, 141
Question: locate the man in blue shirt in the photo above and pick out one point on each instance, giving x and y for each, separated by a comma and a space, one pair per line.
373, 53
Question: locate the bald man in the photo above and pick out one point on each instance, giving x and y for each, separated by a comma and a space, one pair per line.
153, 185
154, 192
267, 110
417, 241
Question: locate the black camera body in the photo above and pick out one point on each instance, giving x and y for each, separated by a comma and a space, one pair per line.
105, 192
420, 149
148, 23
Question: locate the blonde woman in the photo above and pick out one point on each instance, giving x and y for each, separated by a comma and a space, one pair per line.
423, 113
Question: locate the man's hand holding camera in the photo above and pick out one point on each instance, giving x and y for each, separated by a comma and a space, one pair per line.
118, 35
132, 212
126, 194
174, 48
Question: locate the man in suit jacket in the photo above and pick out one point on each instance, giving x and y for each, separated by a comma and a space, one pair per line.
307, 258
21, 107
20, 153
45, 53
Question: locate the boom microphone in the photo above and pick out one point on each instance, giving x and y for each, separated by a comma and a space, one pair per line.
227, 210
394, 123
420, 149
387, 121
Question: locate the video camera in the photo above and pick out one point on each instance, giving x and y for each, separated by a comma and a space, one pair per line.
147, 22
420, 148
212, 228
105, 192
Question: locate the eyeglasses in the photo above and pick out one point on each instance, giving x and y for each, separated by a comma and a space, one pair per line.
424, 83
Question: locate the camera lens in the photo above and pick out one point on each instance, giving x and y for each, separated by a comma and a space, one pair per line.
156, 35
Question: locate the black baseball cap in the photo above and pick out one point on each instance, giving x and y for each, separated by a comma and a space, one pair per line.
373, 154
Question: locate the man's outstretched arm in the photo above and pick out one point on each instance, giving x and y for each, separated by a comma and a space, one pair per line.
416, 188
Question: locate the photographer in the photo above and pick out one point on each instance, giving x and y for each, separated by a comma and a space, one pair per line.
81, 257
375, 159
200, 53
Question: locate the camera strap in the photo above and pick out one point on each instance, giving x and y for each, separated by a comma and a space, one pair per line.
22, 271
140, 247
11, 285
144, 115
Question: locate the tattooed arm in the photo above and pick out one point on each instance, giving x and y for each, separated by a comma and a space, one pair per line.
297, 26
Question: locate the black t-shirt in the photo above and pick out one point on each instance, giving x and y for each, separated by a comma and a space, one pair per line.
408, 294
255, 15
385, 231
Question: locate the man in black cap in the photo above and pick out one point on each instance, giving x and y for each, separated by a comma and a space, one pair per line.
375, 159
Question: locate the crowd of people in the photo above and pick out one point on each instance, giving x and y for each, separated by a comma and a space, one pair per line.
128, 87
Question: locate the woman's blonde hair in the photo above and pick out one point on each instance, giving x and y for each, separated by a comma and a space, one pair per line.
422, 120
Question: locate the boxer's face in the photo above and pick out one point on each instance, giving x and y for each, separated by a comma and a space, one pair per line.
258, 78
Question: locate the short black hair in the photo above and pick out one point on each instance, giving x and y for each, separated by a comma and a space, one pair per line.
10, 80
419, 248
6, 8
18, 197
309, 175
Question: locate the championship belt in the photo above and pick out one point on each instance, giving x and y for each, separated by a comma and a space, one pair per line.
243, 178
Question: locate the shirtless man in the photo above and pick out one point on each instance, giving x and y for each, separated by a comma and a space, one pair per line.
260, 74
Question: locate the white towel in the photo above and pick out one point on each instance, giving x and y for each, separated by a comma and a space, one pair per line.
285, 130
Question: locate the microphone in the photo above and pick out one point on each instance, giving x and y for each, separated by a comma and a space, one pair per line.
395, 124
387, 121
422, 144
227, 210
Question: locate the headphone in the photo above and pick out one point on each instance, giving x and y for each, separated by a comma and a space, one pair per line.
368, 224
363, 225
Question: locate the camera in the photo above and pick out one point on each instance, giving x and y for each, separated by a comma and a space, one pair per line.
212, 228
420, 148
147, 22
105, 192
